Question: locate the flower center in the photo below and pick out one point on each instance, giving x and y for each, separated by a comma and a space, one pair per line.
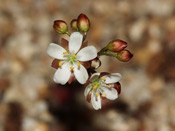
96, 84
71, 57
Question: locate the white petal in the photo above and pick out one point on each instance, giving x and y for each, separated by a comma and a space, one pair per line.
81, 74
87, 89
96, 101
112, 78
62, 74
111, 93
87, 53
94, 76
75, 42
55, 51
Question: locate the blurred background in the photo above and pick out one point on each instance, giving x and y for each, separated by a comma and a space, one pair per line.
31, 101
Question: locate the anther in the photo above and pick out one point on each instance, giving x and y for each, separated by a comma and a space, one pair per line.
65, 52
96, 94
74, 55
78, 64
110, 85
71, 68
104, 79
95, 87
103, 95
60, 63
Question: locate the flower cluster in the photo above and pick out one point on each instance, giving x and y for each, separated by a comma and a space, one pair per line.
73, 58
102, 85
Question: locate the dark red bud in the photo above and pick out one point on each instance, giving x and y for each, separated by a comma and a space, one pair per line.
124, 55
74, 24
116, 45
83, 23
60, 26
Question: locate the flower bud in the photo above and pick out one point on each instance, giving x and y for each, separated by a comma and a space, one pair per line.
124, 55
116, 45
83, 23
60, 26
74, 24
95, 63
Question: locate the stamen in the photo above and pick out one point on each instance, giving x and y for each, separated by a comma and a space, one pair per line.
103, 95
78, 64
95, 87
96, 94
65, 52
74, 55
60, 64
104, 79
110, 85
72, 68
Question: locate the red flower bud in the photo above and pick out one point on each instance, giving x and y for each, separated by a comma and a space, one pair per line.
83, 23
95, 63
124, 55
116, 45
60, 26
74, 24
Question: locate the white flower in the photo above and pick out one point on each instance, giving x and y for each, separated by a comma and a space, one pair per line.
101, 86
70, 60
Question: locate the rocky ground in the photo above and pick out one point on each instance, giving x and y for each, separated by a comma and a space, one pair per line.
31, 101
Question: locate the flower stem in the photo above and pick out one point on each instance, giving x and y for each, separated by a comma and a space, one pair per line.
109, 54
68, 33
102, 51
84, 36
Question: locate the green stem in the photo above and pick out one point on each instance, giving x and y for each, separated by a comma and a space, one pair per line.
68, 33
102, 51
84, 36
109, 54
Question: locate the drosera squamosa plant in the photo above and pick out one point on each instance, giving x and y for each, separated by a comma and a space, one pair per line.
74, 59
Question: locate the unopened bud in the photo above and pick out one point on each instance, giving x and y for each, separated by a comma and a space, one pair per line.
95, 63
116, 45
124, 55
74, 24
60, 26
83, 23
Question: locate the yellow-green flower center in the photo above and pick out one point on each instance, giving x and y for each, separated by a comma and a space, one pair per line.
96, 84
71, 58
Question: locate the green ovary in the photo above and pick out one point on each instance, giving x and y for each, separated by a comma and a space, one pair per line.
97, 83
71, 59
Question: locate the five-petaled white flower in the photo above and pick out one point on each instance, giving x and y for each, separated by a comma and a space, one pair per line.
101, 86
70, 61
